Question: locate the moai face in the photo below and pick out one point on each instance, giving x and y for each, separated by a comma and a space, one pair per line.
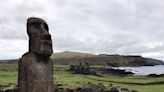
39, 38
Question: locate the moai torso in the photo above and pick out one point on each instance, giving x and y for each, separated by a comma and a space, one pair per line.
35, 67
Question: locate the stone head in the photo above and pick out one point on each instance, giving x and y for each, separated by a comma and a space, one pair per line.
39, 38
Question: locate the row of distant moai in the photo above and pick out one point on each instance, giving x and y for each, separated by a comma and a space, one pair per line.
35, 73
81, 68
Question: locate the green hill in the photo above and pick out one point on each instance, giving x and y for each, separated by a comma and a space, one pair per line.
70, 54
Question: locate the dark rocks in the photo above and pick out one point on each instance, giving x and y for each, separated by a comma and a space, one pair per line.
7, 85
86, 88
35, 72
94, 88
9, 90
114, 90
155, 75
153, 62
124, 90
134, 91
117, 71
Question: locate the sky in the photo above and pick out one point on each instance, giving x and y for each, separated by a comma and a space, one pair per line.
126, 27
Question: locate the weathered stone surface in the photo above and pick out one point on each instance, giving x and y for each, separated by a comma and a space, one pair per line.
124, 90
114, 89
39, 38
35, 67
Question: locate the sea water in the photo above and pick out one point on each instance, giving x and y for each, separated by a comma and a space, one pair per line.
145, 70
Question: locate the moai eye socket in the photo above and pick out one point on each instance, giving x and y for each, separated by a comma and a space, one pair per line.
36, 24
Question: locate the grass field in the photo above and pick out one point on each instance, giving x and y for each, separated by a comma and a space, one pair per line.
8, 74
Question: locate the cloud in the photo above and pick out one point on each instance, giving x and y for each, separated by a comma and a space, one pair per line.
106, 26
10, 49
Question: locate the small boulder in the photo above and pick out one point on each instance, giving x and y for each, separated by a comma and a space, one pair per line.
114, 89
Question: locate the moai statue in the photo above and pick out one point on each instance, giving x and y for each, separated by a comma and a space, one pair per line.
35, 72
87, 67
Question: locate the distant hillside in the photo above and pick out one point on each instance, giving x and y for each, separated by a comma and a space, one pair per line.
69, 58
69, 54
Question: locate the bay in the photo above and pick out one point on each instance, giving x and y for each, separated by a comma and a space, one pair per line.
145, 70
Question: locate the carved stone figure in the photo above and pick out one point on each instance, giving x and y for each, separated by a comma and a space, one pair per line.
35, 72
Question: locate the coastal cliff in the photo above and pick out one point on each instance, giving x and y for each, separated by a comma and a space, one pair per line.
104, 59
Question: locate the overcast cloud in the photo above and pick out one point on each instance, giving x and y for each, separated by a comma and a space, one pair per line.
96, 26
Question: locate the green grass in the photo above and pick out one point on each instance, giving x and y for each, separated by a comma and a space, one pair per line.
8, 74
130, 82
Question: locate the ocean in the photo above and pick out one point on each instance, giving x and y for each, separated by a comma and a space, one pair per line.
145, 70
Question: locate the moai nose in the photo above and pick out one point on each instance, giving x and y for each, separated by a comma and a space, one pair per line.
45, 33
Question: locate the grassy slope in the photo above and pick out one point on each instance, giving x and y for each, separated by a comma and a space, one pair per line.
70, 54
8, 74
